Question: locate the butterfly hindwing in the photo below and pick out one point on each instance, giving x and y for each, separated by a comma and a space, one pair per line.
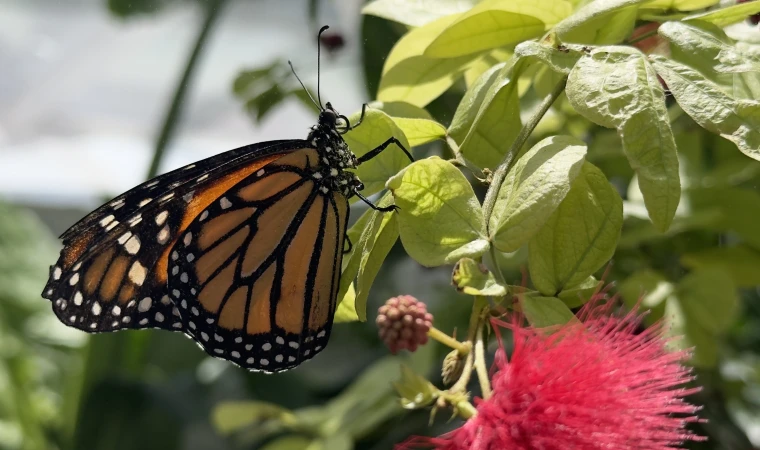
255, 276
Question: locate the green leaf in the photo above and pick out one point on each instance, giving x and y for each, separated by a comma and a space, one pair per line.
414, 390
726, 16
410, 76
488, 117
473, 278
600, 22
416, 12
741, 262
544, 312
560, 60
372, 258
291, 442
533, 189
374, 131
497, 23
735, 120
229, 417
579, 237
689, 336
706, 48
346, 310
440, 219
708, 297
484, 63
579, 295
729, 208
253, 80
648, 286
679, 5
420, 131
373, 236
617, 88
401, 109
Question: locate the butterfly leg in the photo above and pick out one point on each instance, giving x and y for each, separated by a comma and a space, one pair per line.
350, 127
377, 150
374, 206
350, 245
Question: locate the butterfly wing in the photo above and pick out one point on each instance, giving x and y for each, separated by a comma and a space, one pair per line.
256, 274
112, 271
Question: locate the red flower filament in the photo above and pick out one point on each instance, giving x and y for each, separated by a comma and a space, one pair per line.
590, 384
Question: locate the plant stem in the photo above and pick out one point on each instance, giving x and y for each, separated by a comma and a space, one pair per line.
525, 132
445, 339
477, 309
171, 120
480, 360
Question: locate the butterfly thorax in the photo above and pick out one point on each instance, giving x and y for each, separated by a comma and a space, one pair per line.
335, 157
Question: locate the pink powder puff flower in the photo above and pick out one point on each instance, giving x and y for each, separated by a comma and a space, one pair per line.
595, 383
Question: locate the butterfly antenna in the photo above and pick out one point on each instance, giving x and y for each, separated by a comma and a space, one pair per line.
304, 87
319, 60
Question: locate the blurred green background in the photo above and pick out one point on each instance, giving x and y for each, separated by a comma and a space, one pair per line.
97, 94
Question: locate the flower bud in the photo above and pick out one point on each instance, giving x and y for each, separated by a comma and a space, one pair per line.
403, 323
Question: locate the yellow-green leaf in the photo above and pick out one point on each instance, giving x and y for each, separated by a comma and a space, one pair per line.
560, 61
533, 190
440, 219
497, 23
473, 278
376, 128
346, 310
488, 117
617, 88
579, 237
544, 312
420, 131
679, 5
416, 12
410, 76
706, 48
726, 16
600, 22
735, 120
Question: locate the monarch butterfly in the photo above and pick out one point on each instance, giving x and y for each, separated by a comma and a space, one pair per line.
241, 251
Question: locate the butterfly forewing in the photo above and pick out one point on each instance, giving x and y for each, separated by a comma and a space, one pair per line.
255, 275
112, 272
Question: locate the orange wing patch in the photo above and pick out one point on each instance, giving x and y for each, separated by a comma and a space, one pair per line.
201, 200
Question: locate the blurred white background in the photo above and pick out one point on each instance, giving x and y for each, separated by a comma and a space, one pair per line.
83, 94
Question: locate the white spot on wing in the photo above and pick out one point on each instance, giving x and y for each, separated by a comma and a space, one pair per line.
133, 245
123, 238
78, 298
159, 317
145, 304
163, 235
145, 202
74, 279
204, 214
106, 220
161, 217
187, 239
57, 273
96, 308
137, 273
224, 203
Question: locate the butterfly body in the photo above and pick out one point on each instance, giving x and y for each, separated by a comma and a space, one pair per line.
241, 252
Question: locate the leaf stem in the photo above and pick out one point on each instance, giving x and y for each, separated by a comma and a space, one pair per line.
478, 306
501, 172
445, 339
480, 359
171, 120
